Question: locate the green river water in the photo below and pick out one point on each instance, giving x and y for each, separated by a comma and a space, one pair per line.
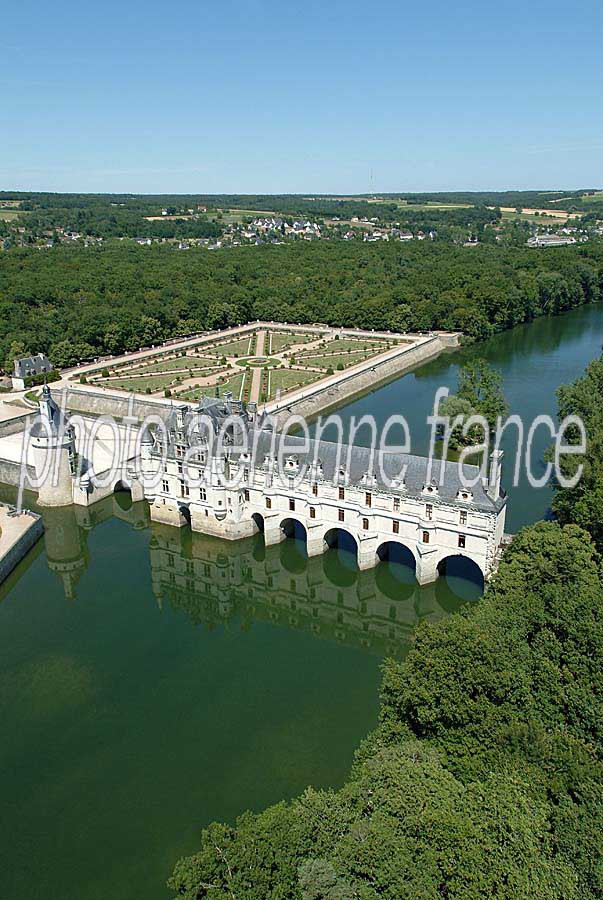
152, 680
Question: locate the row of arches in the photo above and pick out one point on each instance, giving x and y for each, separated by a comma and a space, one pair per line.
397, 555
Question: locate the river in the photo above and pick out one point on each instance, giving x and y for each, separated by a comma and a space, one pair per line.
152, 681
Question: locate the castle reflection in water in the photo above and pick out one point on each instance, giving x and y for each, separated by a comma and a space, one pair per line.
218, 583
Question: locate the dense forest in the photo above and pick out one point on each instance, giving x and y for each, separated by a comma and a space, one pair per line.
296, 202
484, 777
583, 504
75, 303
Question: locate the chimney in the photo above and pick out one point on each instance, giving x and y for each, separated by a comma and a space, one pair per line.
495, 473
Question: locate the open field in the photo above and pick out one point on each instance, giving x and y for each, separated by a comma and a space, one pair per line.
168, 218
592, 198
236, 216
9, 215
558, 216
543, 219
431, 204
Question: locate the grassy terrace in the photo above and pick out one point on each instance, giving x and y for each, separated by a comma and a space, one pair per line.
175, 364
289, 379
343, 345
153, 382
279, 341
232, 383
241, 347
284, 361
334, 359
140, 383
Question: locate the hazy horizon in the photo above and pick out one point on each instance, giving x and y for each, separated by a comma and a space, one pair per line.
260, 97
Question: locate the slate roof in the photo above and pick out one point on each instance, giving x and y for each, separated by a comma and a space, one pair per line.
32, 365
355, 460
50, 412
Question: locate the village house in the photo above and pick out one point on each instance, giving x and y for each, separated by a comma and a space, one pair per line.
28, 366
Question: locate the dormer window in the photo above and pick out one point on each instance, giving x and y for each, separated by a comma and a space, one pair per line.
464, 495
398, 482
292, 463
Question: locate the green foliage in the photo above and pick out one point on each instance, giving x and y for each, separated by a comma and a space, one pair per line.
114, 298
42, 378
16, 350
583, 503
484, 777
479, 392
481, 386
455, 408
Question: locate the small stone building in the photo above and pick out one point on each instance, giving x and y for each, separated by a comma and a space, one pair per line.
28, 366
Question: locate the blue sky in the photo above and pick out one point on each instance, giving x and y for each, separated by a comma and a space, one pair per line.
264, 96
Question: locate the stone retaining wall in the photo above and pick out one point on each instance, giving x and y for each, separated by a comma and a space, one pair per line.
109, 404
325, 399
29, 527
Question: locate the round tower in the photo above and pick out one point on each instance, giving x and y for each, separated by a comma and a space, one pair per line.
53, 443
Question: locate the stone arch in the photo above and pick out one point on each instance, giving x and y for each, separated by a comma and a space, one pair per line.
343, 541
185, 512
293, 528
258, 522
341, 566
340, 539
122, 495
294, 552
396, 551
401, 563
458, 567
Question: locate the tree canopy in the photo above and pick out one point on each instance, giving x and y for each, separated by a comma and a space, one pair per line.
76, 302
484, 777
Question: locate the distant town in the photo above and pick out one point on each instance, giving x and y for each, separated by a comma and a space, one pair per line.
44, 224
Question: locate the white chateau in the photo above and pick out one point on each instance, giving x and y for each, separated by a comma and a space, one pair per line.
247, 482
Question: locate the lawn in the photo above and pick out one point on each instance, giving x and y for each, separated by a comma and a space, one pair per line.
333, 359
139, 385
233, 384
280, 340
177, 363
289, 379
232, 348
346, 344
